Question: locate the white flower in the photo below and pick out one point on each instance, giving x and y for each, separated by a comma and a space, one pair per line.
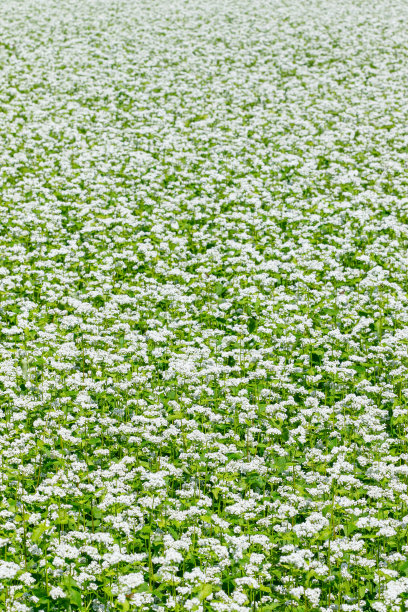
173, 556
313, 595
131, 581
26, 578
8, 570
57, 592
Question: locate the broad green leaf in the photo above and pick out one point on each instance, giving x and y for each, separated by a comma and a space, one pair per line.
205, 591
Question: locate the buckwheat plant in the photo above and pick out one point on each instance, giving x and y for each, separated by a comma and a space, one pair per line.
203, 305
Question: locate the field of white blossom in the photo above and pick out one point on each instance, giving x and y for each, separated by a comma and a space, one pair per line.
203, 305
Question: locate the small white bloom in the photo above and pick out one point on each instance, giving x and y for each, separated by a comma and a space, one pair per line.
57, 592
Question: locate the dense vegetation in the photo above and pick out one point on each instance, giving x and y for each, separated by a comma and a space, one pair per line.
203, 305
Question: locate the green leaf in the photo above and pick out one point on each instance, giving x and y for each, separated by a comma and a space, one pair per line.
38, 532
325, 534
219, 289
351, 527
252, 325
75, 597
403, 569
63, 518
205, 592
69, 582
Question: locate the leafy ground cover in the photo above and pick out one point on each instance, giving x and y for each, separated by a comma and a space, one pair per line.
203, 305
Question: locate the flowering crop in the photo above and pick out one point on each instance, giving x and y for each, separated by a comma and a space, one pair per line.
203, 305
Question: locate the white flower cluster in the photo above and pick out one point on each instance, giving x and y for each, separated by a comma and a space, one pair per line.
203, 305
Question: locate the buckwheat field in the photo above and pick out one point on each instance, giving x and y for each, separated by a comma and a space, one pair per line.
203, 305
